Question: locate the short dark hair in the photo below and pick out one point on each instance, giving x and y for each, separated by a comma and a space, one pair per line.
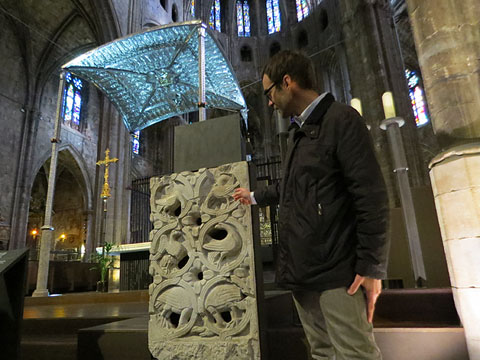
295, 64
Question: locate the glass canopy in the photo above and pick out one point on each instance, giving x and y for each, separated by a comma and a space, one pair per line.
153, 75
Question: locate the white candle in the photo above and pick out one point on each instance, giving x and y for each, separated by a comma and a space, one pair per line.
357, 105
388, 105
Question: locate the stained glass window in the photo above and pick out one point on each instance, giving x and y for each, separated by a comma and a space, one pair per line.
192, 8
273, 16
302, 9
417, 98
243, 18
72, 101
136, 142
214, 21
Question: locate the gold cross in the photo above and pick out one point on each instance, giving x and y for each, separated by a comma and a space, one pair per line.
106, 189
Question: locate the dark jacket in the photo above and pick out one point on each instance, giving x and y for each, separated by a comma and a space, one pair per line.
333, 203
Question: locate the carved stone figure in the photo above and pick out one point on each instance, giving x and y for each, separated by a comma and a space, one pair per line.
203, 299
174, 301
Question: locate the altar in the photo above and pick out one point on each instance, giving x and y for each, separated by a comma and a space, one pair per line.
131, 268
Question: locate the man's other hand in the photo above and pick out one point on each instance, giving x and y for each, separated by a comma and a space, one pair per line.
373, 288
242, 195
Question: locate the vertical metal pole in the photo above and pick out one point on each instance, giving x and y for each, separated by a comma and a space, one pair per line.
47, 229
104, 235
202, 113
392, 126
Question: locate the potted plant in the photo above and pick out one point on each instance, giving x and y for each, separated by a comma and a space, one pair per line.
103, 262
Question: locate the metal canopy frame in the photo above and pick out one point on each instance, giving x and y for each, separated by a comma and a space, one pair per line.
162, 72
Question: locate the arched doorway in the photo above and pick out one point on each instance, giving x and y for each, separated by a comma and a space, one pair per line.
70, 210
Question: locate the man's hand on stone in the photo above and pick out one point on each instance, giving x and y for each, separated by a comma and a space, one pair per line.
373, 288
242, 195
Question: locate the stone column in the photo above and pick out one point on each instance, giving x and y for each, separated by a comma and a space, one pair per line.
47, 229
375, 66
455, 176
447, 39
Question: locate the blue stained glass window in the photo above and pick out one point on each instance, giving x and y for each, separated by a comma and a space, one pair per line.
246, 17
302, 9
211, 21
78, 83
217, 15
72, 101
273, 16
77, 104
69, 104
240, 28
243, 18
276, 15
214, 21
136, 142
192, 8
417, 98
413, 80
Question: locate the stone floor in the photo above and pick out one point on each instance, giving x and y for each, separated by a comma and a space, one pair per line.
410, 325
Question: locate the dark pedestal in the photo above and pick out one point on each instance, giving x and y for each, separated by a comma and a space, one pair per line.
209, 143
13, 275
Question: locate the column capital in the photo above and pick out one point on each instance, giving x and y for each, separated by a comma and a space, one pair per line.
395, 120
470, 149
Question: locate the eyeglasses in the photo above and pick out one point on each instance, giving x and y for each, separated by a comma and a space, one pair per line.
266, 92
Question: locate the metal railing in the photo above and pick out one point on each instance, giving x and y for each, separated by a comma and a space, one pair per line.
140, 225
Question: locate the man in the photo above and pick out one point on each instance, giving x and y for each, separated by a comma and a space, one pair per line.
332, 214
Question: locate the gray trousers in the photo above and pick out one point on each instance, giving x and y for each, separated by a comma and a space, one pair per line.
336, 325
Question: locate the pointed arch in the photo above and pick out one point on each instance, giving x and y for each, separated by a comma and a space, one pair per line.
72, 200
78, 167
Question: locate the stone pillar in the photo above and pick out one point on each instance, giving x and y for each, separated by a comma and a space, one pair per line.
448, 46
47, 228
375, 66
455, 176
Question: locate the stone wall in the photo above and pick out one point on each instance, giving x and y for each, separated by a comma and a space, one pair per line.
13, 83
154, 12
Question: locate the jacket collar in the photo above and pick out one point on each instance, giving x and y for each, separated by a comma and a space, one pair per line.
311, 126
316, 115
308, 110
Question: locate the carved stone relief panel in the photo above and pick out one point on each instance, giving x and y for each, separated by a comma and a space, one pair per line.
203, 301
